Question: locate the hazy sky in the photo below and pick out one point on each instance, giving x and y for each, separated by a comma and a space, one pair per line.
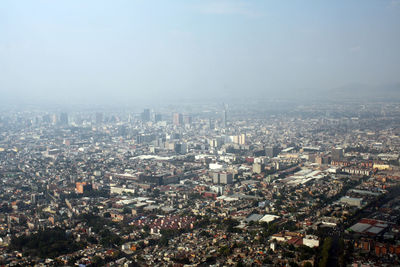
122, 51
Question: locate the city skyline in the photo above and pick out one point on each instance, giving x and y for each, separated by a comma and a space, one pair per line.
199, 133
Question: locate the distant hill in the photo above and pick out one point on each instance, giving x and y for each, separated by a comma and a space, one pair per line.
388, 92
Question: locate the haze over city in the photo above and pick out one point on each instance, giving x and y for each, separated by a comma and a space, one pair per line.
126, 52
199, 133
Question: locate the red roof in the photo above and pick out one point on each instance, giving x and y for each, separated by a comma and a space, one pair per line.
297, 241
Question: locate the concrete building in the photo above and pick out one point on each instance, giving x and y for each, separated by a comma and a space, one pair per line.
351, 201
146, 115
311, 241
177, 119
271, 151
63, 119
222, 178
82, 187
226, 178
337, 153
258, 168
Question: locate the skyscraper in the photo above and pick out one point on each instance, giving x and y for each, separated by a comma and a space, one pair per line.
177, 119
271, 151
63, 118
224, 118
157, 117
146, 115
222, 178
54, 119
187, 119
242, 139
211, 124
99, 118
337, 153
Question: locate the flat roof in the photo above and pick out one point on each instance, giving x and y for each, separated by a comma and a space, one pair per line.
360, 227
254, 217
269, 218
375, 230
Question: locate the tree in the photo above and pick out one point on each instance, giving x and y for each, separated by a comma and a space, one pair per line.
239, 263
97, 261
163, 241
127, 210
224, 250
46, 243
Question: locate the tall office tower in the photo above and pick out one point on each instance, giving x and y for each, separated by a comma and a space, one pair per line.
63, 118
122, 130
242, 139
46, 118
222, 178
258, 168
224, 118
82, 187
78, 119
215, 178
157, 118
33, 198
187, 119
146, 115
177, 119
99, 118
54, 119
235, 139
180, 148
225, 178
271, 151
211, 124
337, 153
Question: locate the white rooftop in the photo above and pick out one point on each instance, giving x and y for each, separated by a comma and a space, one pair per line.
269, 218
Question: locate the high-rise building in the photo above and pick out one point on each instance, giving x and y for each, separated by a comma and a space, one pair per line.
224, 118
322, 159
225, 178
215, 178
337, 153
146, 115
63, 118
211, 124
271, 151
33, 198
99, 118
242, 139
54, 119
177, 119
82, 187
122, 130
46, 118
157, 117
222, 178
258, 168
213, 143
180, 148
187, 119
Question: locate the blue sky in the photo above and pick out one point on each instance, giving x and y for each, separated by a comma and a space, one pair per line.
129, 51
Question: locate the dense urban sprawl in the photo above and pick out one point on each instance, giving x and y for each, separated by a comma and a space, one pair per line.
315, 185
